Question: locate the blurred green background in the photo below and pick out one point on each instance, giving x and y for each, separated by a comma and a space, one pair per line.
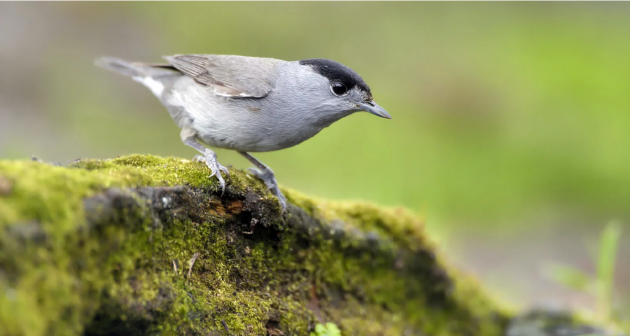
510, 130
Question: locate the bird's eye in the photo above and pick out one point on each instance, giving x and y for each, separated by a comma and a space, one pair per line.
338, 88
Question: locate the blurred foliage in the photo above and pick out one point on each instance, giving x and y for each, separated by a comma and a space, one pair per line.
602, 285
329, 329
502, 113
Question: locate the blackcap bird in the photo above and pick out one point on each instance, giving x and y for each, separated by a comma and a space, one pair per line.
250, 104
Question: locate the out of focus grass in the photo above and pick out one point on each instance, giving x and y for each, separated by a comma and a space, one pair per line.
602, 286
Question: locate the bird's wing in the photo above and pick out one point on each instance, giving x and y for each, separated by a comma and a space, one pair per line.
231, 76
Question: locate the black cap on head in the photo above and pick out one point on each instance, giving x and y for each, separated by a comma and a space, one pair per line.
336, 71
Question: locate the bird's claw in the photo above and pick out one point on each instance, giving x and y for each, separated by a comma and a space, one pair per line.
210, 159
269, 179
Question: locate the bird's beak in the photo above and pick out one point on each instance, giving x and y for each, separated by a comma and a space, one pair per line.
376, 110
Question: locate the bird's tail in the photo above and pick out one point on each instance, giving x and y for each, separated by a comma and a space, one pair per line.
132, 69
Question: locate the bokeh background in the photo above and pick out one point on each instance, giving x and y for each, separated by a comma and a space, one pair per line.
510, 130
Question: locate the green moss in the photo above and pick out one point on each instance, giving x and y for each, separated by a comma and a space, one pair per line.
371, 271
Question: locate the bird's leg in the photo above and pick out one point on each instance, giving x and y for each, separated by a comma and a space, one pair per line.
210, 158
266, 175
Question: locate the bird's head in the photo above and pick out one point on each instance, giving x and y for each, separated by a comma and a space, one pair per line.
347, 91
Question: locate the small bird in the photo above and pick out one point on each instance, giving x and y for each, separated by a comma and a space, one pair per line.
250, 104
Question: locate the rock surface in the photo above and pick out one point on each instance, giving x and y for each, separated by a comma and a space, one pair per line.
142, 245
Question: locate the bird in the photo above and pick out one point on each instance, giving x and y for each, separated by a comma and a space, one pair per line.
249, 104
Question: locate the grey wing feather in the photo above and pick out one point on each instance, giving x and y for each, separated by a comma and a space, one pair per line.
232, 76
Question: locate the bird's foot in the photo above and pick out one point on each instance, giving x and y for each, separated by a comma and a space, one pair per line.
210, 159
267, 176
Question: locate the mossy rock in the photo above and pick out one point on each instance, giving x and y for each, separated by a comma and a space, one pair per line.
142, 245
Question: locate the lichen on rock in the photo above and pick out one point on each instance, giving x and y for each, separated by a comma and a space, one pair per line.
142, 245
